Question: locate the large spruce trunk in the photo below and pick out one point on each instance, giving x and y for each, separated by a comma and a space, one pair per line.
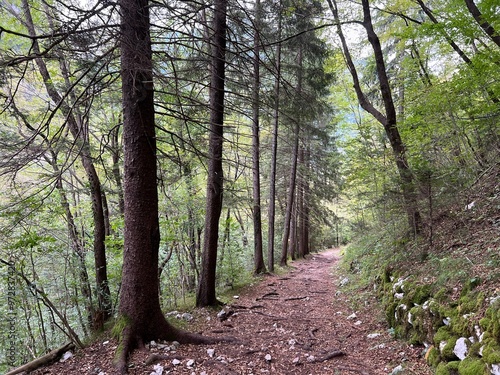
141, 318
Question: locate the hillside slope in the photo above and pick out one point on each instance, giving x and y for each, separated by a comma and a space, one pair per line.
442, 291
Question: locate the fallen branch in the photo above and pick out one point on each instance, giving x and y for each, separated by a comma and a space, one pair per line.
252, 351
47, 359
334, 354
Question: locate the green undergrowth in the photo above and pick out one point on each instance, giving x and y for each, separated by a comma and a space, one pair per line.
429, 298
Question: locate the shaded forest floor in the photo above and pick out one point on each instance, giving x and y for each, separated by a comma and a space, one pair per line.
298, 323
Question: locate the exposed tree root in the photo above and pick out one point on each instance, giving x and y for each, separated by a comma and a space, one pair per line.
134, 336
295, 298
268, 296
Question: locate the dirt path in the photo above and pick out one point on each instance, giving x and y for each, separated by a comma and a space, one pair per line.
300, 323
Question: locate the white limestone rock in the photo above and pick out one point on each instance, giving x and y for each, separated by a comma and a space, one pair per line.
461, 348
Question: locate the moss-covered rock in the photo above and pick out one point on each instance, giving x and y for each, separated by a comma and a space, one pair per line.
490, 351
447, 350
453, 366
470, 302
442, 295
390, 313
419, 316
418, 294
462, 325
495, 323
473, 366
450, 368
441, 369
401, 314
442, 334
433, 357
475, 349
485, 323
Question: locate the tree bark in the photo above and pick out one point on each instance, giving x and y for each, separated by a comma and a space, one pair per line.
290, 198
293, 171
115, 156
206, 289
390, 124
292, 243
259, 266
274, 153
303, 211
141, 318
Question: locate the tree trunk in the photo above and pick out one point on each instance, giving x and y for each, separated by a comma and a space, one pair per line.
227, 235
141, 318
192, 231
259, 266
293, 172
390, 125
274, 148
388, 120
290, 198
293, 248
303, 209
206, 289
115, 155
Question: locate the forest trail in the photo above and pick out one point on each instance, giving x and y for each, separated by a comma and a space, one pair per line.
297, 323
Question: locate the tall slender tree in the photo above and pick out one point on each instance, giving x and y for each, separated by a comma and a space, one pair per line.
387, 119
206, 289
293, 171
274, 149
259, 266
